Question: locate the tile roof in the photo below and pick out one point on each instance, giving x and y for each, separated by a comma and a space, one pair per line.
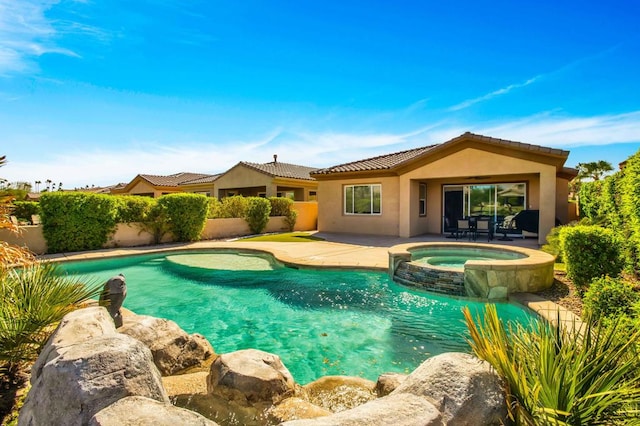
285, 170
390, 161
175, 179
205, 179
380, 162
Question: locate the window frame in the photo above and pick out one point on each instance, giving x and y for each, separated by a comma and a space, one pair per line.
372, 196
422, 201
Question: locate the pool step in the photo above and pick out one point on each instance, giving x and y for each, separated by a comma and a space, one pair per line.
438, 281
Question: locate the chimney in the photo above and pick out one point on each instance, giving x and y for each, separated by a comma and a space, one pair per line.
275, 158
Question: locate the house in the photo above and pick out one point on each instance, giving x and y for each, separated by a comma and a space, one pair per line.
422, 190
274, 179
155, 186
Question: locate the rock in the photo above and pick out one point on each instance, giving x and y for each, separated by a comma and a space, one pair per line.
252, 375
464, 388
172, 348
77, 326
296, 408
81, 379
395, 409
186, 384
223, 411
138, 410
388, 382
339, 393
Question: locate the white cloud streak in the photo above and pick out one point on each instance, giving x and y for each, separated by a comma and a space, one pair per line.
495, 93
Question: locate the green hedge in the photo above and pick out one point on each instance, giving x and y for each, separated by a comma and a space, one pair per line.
185, 213
24, 209
77, 221
257, 215
589, 252
133, 208
234, 207
609, 297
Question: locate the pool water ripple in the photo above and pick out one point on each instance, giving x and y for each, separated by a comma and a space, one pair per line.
320, 322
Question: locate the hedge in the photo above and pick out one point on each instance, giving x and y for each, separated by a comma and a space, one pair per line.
133, 208
257, 215
25, 209
589, 252
610, 297
186, 214
77, 221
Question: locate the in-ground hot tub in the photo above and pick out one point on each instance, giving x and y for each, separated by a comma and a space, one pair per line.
485, 271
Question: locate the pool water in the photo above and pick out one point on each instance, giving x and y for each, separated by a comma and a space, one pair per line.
320, 322
456, 257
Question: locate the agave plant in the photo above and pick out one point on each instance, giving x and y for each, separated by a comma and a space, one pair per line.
557, 375
32, 300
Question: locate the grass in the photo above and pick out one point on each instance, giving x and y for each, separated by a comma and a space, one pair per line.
288, 237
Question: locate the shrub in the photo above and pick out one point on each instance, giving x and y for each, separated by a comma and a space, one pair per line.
133, 208
556, 375
291, 219
280, 206
186, 214
589, 252
32, 300
24, 209
553, 245
609, 297
257, 215
215, 208
76, 221
234, 207
156, 222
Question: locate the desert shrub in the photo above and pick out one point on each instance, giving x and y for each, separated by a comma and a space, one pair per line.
257, 215
590, 252
185, 214
280, 206
24, 209
557, 375
77, 221
156, 222
610, 297
234, 207
215, 208
133, 208
32, 300
290, 219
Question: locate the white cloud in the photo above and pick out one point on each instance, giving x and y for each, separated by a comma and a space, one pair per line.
495, 93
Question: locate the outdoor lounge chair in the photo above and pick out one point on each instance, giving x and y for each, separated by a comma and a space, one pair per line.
524, 220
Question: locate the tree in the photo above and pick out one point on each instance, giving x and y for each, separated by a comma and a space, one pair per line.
593, 170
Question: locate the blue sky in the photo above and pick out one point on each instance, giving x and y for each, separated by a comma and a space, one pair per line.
93, 92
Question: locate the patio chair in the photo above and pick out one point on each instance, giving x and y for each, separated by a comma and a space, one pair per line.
35, 219
464, 228
483, 226
14, 220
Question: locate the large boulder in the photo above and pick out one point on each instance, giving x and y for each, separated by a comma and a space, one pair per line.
250, 376
397, 410
138, 410
81, 379
465, 389
339, 393
172, 348
76, 327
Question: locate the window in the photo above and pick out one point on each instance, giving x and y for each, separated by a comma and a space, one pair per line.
423, 199
313, 195
362, 199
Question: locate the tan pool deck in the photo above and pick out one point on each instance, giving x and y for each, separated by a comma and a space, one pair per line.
339, 251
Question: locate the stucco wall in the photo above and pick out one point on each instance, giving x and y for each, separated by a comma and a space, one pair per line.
130, 235
331, 217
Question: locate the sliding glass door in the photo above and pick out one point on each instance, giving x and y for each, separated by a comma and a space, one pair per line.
490, 200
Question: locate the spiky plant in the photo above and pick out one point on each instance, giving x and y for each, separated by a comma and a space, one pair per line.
557, 375
32, 300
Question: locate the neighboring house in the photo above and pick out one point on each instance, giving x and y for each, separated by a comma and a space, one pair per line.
156, 186
421, 190
274, 179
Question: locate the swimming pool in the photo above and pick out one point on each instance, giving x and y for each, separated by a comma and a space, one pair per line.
320, 322
456, 257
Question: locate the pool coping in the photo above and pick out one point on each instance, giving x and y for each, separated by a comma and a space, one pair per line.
325, 254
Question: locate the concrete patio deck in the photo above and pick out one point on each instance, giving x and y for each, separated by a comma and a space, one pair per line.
338, 251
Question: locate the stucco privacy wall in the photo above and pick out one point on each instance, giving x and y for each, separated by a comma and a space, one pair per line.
129, 235
331, 217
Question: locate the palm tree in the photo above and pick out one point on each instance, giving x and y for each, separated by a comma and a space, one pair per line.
593, 170
38, 185
48, 181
